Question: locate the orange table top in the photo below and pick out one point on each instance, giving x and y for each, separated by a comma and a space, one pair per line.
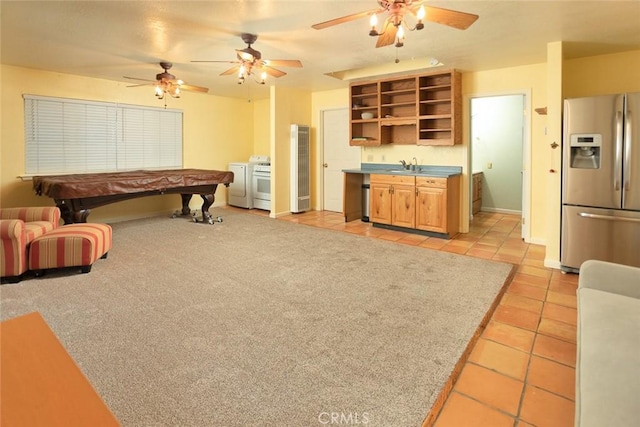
40, 385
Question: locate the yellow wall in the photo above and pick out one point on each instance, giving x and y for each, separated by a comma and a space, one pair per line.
261, 123
216, 131
533, 79
220, 130
601, 75
288, 106
554, 136
580, 77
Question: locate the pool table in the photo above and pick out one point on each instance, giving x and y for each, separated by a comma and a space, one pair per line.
77, 194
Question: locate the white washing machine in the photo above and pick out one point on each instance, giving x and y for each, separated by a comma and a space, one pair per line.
240, 190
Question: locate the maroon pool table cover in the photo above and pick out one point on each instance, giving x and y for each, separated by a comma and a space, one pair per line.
75, 186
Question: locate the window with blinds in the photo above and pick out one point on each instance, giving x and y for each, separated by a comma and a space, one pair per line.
75, 136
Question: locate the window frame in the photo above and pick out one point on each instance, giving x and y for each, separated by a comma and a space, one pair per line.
69, 136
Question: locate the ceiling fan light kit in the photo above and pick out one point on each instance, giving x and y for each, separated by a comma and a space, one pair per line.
249, 62
395, 23
166, 83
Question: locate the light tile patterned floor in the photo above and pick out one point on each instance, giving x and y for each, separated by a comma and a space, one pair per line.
521, 372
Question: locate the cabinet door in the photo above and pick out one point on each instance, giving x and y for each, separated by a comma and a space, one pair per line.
380, 203
404, 206
431, 209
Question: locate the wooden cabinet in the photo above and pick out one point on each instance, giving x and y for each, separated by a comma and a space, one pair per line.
440, 109
420, 109
476, 197
392, 200
438, 204
416, 202
365, 98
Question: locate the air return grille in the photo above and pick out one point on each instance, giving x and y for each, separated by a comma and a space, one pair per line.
300, 174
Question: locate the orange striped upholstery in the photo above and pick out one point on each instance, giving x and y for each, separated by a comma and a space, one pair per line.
14, 247
73, 245
41, 213
20, 226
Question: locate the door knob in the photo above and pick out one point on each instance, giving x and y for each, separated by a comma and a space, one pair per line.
325, 165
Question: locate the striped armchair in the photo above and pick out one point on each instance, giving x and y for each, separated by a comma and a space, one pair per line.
18, 228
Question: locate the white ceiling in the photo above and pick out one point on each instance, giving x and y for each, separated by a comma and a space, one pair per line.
112, 39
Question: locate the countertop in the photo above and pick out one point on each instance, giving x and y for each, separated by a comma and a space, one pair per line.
392, 169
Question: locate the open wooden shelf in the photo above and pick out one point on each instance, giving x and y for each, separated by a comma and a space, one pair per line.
422, 109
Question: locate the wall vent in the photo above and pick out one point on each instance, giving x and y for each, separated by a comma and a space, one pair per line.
300, 169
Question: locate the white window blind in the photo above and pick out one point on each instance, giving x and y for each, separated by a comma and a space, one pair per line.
75, 136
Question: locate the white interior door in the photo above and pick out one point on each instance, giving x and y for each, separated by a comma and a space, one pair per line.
337, 155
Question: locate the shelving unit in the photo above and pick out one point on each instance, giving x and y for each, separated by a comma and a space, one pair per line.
365, 99
420, 109
440, 108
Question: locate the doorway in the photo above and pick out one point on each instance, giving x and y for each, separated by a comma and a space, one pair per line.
499, 147
337, 155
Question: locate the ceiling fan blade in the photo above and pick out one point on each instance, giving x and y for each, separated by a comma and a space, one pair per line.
194, 88
273, 72
141, 84
388, 36
452, 18
283, 63
245, 56
223, 62
142, 80
232, 70
344, 19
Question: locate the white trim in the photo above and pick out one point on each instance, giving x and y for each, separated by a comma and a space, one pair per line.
552, 263
498, 210
526, 154
538, 241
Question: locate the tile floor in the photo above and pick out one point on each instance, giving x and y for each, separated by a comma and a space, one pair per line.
521, 372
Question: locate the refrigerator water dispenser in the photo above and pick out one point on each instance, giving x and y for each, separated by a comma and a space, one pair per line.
585, 151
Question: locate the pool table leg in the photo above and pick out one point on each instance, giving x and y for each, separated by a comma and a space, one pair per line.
71, 216
207, 201
185, 203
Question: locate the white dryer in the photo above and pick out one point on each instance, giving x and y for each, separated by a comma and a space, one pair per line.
240, 191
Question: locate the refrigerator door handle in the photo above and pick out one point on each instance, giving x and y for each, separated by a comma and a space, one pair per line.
617, 172
627, 148
607, 217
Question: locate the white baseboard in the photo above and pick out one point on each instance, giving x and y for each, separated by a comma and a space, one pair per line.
552, 263
538, 241
498, 210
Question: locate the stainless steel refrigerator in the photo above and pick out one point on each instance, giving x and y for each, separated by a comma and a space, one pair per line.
601, 180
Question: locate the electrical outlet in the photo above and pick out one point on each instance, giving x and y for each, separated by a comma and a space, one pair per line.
383, 158
489, 165
369, 157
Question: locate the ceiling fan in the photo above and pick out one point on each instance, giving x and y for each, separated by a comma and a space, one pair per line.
166, 83
395, 22
250, 60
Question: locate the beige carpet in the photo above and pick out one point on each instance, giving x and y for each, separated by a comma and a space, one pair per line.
258, 322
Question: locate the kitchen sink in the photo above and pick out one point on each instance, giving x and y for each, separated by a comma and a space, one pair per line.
402, 171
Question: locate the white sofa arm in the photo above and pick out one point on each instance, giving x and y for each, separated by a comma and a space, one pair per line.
609, 277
